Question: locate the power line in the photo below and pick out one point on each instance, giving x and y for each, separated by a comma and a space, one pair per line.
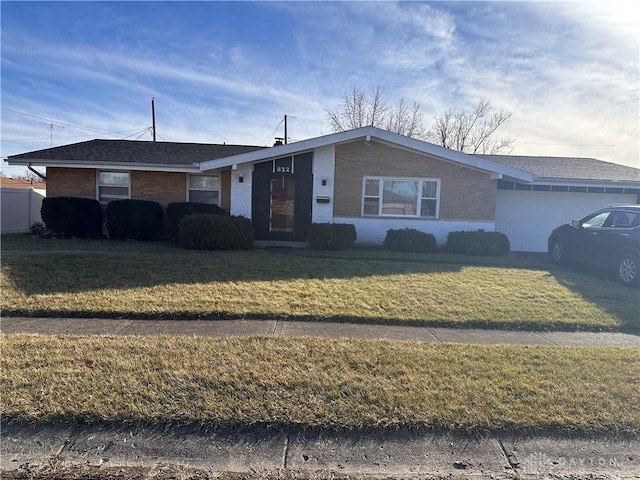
187, 123
68, 137
307, 119
146, 130
578, 144
266, 140
50, 121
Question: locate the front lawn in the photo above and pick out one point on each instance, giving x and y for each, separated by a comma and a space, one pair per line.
320, 383
97, 278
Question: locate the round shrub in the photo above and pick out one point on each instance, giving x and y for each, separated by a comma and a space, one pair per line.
137, 219
177, 210
331, 236
410, 240
478, 243
79, 217
202, 231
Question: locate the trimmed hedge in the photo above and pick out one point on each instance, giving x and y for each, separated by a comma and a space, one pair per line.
331, 236
177, 210
410, 240
202, 231
137, 219
478, 243
79, 217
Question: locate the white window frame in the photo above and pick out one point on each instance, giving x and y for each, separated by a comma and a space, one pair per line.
189, 189
380, 196
98, 184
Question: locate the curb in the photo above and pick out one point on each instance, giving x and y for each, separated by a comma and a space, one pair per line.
405, 454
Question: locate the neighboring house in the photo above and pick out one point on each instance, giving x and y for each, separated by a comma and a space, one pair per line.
20, 204
369, 177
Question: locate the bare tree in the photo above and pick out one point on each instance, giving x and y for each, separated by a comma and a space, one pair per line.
27, 175
466, 131
471, 131
405, 120
359, 109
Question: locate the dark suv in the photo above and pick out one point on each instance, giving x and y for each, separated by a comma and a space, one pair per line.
609, 237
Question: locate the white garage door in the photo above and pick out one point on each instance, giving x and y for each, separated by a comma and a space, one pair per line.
528, 217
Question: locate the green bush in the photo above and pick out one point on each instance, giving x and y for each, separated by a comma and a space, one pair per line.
479, 243
137, 219
410, 240
79, 217
331, 236
202, 231
177, 210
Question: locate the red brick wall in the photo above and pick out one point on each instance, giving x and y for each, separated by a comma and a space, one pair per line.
465, 194
161, 187
71, 182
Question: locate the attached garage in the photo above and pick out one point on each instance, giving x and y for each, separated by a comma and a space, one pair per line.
527, 218
564, 189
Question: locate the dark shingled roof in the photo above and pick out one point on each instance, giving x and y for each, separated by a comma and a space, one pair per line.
569, 168
136, 151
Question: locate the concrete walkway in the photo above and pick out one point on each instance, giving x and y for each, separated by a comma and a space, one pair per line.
226, 328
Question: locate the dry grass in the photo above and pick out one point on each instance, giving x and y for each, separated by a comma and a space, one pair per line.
155, 280
320, 383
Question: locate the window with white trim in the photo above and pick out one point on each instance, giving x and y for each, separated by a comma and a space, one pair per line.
112, 186
405, 197
204, 189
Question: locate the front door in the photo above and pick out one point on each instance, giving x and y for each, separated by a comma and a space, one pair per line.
282, 198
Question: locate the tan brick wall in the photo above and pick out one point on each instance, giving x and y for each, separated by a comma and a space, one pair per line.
71, 182
465, 194
161, 187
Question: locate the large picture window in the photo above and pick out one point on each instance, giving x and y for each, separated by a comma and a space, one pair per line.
204, 189
113, 186
407, 197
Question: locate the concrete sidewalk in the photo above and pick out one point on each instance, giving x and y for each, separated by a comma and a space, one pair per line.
226, 328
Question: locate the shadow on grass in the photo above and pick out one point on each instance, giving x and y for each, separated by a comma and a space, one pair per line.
597, 285
68, 271
41, 267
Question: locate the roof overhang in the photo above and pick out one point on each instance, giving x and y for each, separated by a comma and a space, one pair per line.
149, 167
368, 134
576, 182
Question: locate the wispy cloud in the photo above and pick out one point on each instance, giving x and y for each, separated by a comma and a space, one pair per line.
567, 71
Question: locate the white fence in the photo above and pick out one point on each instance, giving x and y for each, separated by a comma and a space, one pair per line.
20, 208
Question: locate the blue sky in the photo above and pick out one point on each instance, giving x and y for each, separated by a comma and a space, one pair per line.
229, 71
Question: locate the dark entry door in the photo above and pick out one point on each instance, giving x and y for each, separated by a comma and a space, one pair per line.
282, 198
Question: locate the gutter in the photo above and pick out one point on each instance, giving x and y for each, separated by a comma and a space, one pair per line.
153, 167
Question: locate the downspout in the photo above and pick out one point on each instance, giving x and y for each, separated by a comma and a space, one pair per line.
30, 208
31, 169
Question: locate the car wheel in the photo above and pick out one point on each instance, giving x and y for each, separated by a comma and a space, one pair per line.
558, 252
628, 269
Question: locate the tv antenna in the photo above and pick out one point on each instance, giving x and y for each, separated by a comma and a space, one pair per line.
51, 124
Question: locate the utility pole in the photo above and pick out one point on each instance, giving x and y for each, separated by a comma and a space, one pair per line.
285, 129
153, 118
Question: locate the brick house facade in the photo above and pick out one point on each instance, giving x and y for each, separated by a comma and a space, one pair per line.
371, 178
466, 194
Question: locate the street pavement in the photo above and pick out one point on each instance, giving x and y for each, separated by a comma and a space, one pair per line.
26, 450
